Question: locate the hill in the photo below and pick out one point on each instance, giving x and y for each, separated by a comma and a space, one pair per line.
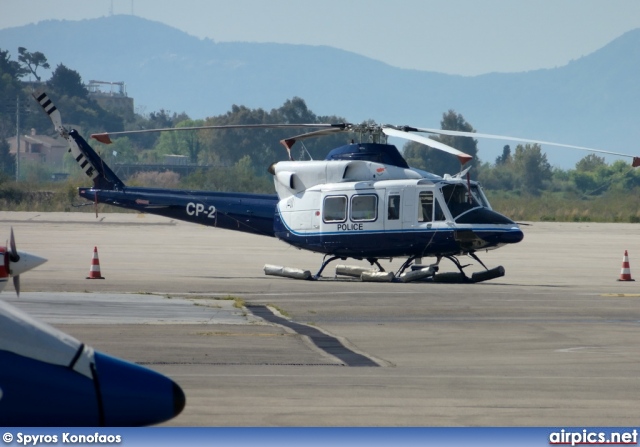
591, 101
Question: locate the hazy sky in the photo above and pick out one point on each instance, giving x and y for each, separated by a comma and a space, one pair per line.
466, 37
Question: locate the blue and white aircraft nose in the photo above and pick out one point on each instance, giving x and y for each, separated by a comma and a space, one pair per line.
133, 395
48, 378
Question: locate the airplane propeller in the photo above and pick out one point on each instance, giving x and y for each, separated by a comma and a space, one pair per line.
13, 254
17, 262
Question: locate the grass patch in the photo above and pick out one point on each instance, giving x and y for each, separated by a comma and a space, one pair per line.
237, 301
248, 334
613, 206
282, 312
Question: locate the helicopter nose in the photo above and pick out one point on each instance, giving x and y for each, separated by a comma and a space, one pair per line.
25, 262
513, 236
493, 238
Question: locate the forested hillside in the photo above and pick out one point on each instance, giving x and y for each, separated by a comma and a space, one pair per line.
520, 182
591, 101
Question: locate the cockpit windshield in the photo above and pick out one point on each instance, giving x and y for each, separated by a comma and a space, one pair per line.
459, 200
479, 196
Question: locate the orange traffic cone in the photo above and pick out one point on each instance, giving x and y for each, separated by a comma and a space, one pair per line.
625, 273
94, 270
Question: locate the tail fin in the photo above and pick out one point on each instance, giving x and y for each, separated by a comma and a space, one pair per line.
90, 162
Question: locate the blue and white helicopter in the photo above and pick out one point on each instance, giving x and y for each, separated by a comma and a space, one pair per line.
362, 202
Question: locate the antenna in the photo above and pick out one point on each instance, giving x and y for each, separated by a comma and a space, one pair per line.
111, 9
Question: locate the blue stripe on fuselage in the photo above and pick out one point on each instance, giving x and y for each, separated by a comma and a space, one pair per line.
394, 243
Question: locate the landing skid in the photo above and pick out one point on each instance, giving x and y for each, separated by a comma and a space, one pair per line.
326, 262
418, 272
461, 278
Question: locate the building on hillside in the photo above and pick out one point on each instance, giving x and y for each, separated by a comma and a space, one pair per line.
114, 98
40, 148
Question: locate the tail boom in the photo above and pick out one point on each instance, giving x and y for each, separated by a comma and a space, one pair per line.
249, 213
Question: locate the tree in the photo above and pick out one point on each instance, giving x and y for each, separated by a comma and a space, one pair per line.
32, 61
67, 82
10, 90
295, 111
155, 120
10, 68
71, 97
590, 163
120, 151
585, 181
262, 145
498, 177
439, 162
505, 157
181, 143
531, 167
7, 160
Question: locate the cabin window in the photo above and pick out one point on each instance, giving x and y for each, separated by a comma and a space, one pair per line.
364, 208
393, 209
335, 209
425, 206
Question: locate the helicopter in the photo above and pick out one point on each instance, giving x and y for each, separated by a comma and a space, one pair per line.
363, 202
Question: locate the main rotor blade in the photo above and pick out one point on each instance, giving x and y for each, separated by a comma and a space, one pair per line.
105, 136
289, 142
457, 133
464, 158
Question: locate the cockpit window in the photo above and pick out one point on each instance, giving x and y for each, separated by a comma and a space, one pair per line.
458, 199
477, 194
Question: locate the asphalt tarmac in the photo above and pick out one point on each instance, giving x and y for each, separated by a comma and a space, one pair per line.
555, 342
